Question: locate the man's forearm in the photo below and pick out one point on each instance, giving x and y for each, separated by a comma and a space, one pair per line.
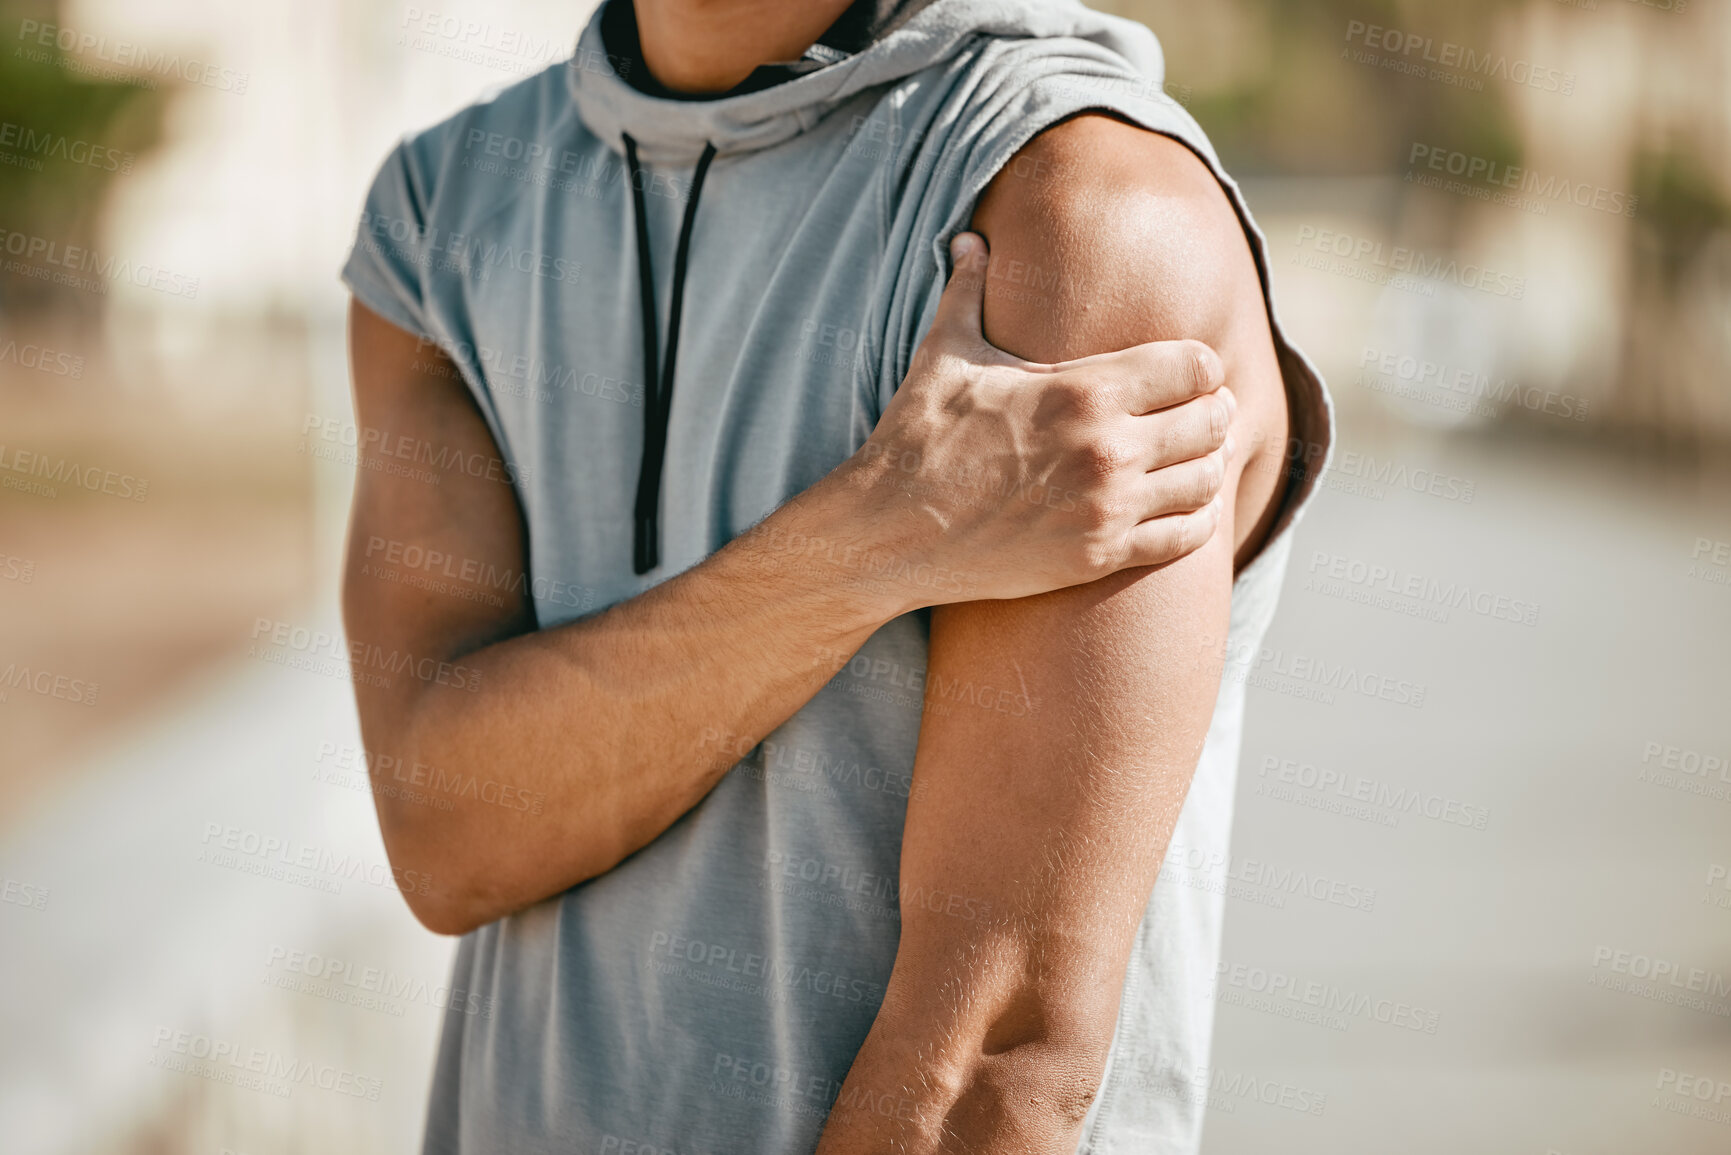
623, 721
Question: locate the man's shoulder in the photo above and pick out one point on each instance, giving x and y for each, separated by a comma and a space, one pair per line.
1132, 227
1104, 235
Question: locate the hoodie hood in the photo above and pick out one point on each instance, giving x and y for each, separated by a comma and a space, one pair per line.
676, 131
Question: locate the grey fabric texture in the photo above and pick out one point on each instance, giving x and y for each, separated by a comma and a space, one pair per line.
709, 994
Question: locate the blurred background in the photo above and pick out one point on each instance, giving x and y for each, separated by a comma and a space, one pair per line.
1503, 229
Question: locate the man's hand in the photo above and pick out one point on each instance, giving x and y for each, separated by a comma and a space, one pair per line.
1033, 477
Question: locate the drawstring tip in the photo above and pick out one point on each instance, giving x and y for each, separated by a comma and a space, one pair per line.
645, 555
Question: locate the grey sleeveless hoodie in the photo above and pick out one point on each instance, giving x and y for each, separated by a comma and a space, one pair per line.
708, 995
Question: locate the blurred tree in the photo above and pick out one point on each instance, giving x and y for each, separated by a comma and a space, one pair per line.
1304, 88
1304, 104
1682, 207
64, 139
1677, 338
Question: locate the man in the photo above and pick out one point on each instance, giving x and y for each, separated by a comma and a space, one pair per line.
813, 731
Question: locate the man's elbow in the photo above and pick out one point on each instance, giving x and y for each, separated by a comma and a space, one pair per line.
437, 887
1030, 1068
432, 860
1032, 1089
442, 916
460, 869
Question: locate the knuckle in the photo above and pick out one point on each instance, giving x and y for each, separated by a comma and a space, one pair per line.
1219, 420
1199, 526
1098, 461
1098, 555
1112, 455
1163, 441
1098, 513
1079, 399
1189, 534
1213, 476
1206, 372
1163, 544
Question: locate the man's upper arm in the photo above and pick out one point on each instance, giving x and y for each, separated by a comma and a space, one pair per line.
413, 524
1055, 814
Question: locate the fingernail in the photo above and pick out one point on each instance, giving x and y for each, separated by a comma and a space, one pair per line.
961, 245
1228, 447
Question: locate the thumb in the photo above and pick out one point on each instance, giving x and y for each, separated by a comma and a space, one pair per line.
961, 307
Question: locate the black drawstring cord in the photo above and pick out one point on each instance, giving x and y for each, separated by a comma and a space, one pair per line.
657, 382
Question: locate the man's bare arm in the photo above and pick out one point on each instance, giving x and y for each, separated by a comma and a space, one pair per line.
994, 1030
595, 736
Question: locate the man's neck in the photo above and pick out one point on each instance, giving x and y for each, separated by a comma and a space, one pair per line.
706, 46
